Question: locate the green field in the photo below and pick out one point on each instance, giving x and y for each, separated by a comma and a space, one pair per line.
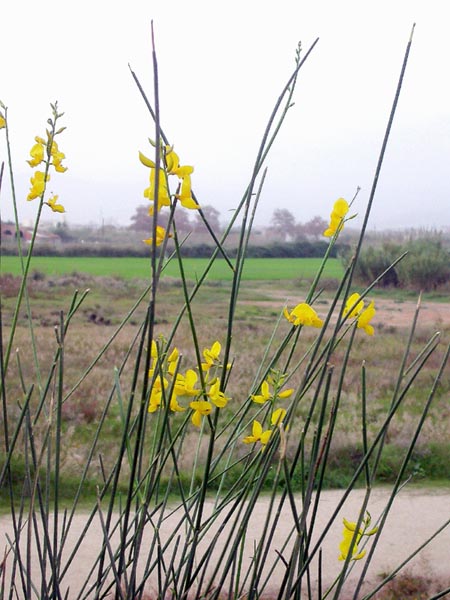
255, 268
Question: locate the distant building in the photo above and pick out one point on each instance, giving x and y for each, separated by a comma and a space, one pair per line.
8, 231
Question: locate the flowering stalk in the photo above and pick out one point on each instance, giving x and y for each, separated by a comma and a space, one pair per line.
26, 264
181, 446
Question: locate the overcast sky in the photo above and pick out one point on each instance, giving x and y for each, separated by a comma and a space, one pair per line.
222, 65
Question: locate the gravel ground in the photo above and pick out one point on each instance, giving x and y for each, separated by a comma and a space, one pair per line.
415, 515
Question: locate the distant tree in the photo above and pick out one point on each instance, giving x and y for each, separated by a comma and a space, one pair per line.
283, 223
315, 227
211, 215
182, 220
140, 221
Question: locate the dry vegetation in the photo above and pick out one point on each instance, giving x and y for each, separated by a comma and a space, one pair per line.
109, 300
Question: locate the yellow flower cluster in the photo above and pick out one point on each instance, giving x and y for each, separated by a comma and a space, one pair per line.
47, 152
277, 416
348, 535
37, 153
354, 309
169, 384
340, 209
170, 166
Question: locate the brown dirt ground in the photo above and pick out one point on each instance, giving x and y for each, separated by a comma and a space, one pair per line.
434, 314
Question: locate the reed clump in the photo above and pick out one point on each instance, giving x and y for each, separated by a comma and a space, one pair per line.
189, 433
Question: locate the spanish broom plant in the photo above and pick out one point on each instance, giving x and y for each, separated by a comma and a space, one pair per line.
205, 467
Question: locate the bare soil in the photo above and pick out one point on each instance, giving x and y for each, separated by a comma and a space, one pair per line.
401, 314
416, 515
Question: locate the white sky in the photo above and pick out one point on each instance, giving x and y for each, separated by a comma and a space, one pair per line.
222, 66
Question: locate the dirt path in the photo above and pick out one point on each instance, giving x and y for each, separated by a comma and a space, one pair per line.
415, 516
398, 313
431, 314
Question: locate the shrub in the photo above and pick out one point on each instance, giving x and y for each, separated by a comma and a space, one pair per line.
425, 267
178, 435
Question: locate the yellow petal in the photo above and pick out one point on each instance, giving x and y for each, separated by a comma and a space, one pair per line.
181, 172
257, 429
353, 301
174, 406
189, 203
201, 406
365, 318
340, 207
285, 393
265, 436
196, 418
278, 416
265, 390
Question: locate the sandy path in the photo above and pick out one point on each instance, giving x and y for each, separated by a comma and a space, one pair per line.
415, 515
432, 315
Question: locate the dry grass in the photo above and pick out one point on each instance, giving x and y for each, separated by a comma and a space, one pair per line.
407, 586
257, 314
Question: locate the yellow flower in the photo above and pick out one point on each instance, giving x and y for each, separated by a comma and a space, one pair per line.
365, 318
217, 397
163, 192
353, 306
185, 194
266, 394
55, 207
185, 384
156, 394
258, 435
201, 408
2, 122
211, 356
340, 209
303, 314
160, 236
38, 182
57, 157
171, 166
348, 534
37, 152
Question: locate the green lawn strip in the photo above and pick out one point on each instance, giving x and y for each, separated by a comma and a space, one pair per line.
255, 269
428, 469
